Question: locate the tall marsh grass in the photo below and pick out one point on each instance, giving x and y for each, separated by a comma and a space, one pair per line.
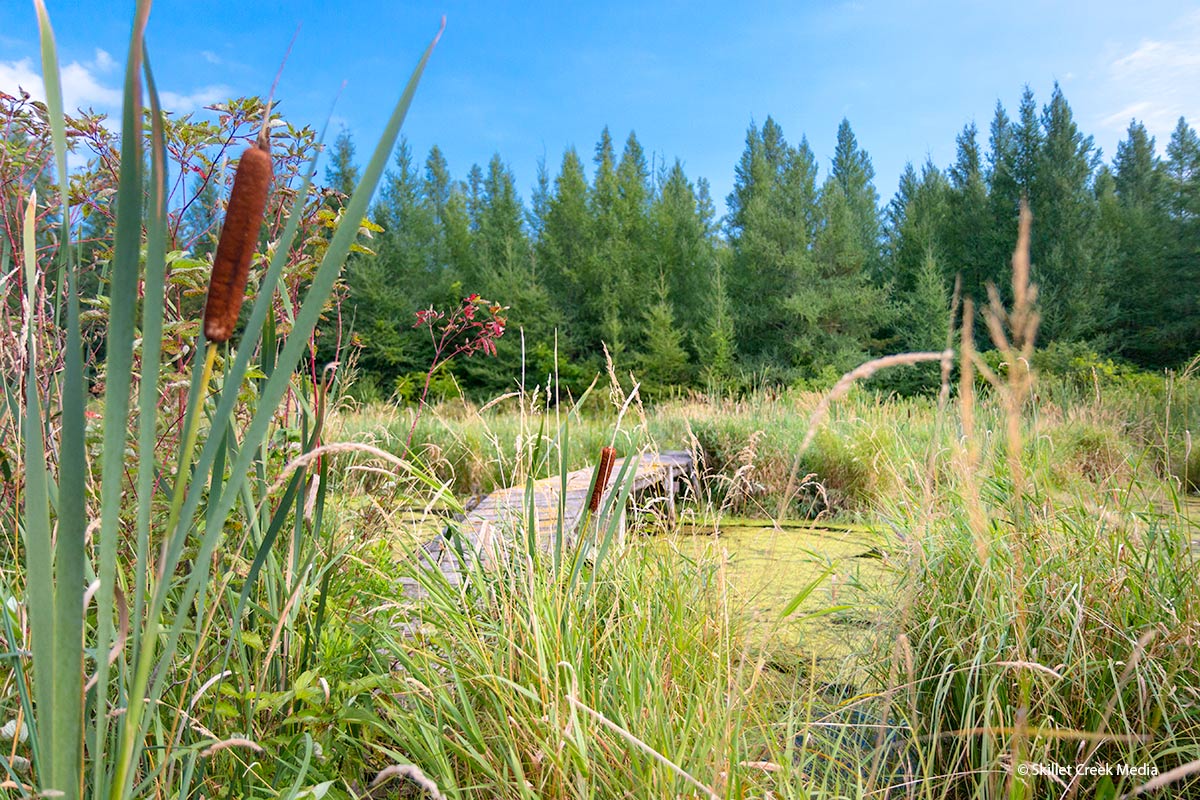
148, 588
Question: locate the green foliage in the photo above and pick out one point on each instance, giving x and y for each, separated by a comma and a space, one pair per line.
716, 340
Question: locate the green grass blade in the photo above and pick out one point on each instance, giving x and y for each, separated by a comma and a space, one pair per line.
18, 668
805, 592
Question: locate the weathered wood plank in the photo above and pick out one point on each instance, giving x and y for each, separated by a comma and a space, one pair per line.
499, 522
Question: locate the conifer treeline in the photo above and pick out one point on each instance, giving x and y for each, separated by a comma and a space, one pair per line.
804, 276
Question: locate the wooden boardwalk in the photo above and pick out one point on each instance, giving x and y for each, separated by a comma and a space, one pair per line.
497, 526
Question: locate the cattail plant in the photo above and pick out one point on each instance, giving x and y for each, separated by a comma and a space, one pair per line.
603, 472
102, 565
239, 237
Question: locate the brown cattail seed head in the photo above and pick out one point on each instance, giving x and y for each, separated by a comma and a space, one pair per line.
239, 239
603, 471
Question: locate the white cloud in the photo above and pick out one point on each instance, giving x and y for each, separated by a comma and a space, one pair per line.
103, 61
80, 87
186, 103
83, 88
210, 57
21, 74
1158, 81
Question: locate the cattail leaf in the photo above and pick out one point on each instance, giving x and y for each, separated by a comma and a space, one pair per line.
70, 498
152, 328
52, 82
123, 293
35, 516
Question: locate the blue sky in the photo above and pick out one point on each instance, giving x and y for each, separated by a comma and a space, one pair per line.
528, 79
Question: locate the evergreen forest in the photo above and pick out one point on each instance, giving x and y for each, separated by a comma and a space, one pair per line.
801, 273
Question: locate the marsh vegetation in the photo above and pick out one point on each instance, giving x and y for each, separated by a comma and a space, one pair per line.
936, 593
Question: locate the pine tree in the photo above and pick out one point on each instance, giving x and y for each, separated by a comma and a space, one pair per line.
839, 307
505, 274
539, 201
1067, 268
1026, 147
631, 271
444, 212
386, 289
565, 253
966, 246
1004, 195
770, 246
798, 188
437, 185
1183, 173
1181, 313
663, 362
474, 196
682, 250
341, 174
914, 223
927, 309
1135, 215
718, 346
923, 324
607, 279
500, 235
853, 173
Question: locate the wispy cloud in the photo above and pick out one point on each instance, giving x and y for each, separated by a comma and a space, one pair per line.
211, 57
1158, 81
84, 86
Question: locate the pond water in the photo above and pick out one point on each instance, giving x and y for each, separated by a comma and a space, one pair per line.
845, 571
